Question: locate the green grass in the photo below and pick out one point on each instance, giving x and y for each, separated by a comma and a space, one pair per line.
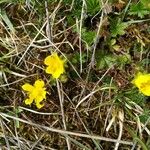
93, 105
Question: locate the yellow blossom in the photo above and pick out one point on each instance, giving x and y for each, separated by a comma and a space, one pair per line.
142, 81
36, 93
55, 65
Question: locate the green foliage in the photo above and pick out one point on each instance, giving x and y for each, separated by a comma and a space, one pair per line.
76, 9
145, 61
144, 116
5, 18
118, 28
88, 36
76, 58
140, 9
93, 6
69, 2
123, 60
107, 60
137, 139
135, 96
146, 3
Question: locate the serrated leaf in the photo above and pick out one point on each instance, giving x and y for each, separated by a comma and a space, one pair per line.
139, 9
93, 6
118, 28
144, 116
88, 36
100, 64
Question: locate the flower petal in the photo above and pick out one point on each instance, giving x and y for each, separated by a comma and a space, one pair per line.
49, 70
27, 87
40, 96
142, 81
56, 74
49, 60
28, 101
38, 105
55, 71
146, 91
44, 94
39, 83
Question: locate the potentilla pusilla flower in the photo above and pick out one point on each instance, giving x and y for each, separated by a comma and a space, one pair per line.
55, 65
36, 93
142, 81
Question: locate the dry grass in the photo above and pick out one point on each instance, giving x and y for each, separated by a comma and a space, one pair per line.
96, 108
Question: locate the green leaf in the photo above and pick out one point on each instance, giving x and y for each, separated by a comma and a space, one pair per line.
88, 36
124, 59
139, 9
144, 116
5, 18
105, 60
146, 3
137, 139
118, 28
76, 58
93, 6
134, 95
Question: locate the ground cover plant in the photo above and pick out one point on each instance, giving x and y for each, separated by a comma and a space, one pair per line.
75, 74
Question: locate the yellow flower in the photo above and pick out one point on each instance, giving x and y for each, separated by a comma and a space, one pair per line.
142, 81
36, 93
55, 65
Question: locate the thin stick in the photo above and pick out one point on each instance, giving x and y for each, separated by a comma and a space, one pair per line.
80, 34
91, 94
93, 55
36, 112
121, 119
61, 99
48, 27
67, 132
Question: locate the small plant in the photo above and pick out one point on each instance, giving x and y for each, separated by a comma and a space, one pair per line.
36, 93
118, 27
140, 9
144, 116
146, 3
105, 60
88, 36
76, 58
108, 60
93, 6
